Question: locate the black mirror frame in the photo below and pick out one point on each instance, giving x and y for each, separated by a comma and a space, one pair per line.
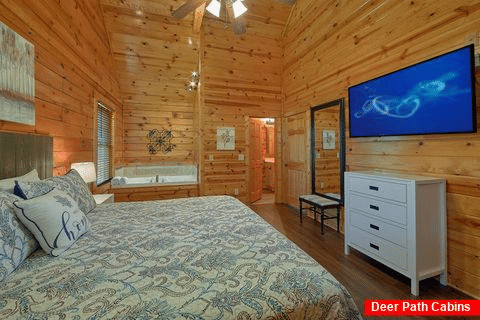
341, 103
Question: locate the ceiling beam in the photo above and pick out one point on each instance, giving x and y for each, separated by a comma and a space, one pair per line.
189, 5
198, 18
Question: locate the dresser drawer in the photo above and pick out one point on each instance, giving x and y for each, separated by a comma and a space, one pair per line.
378, 247
383, 189
379, 208
379, 228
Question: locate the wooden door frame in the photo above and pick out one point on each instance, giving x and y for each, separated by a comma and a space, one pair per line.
277, 127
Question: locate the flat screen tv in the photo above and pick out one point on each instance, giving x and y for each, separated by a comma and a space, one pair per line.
434, 96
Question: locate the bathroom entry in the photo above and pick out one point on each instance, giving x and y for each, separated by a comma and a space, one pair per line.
262, 160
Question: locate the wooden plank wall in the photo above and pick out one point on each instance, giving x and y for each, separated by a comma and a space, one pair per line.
72, 67
330, 45
241, 78
128, 194
155, 55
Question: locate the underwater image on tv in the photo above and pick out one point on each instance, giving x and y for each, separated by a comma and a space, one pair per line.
434, 96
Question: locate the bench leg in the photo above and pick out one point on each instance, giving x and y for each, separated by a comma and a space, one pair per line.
301, 209
322, 217
338, 219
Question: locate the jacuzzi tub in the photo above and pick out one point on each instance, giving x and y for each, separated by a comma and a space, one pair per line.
145, 175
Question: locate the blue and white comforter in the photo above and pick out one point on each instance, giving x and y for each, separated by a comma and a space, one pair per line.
194, 258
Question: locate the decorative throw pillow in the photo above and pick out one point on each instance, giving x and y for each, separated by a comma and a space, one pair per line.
29, 190
54, 219
16, 242
8, 185
71, 183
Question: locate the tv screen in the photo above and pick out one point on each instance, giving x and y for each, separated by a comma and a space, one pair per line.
434, 96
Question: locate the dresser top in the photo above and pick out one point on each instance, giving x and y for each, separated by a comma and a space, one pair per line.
399, 176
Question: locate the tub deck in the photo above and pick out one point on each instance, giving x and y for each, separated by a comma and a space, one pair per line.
155, 182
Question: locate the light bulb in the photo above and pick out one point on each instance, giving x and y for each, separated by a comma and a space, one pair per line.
214, 8
238, 8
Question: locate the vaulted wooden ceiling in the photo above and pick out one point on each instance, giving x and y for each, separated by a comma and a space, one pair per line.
155, 53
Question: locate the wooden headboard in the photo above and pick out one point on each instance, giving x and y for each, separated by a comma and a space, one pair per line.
21, 153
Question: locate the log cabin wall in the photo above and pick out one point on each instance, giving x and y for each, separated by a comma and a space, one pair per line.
72, 69
330, 45
155, 55
241, 78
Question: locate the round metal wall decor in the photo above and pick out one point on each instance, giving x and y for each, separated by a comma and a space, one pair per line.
160, 141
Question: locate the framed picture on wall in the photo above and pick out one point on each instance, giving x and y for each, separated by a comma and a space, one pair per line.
328, 139
17, 77
225, 138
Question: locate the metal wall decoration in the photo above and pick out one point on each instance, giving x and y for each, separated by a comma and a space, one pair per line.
17, 77
160, 141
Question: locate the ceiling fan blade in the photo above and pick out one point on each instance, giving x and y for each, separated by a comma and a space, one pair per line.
238, 27
189, 5
289, 2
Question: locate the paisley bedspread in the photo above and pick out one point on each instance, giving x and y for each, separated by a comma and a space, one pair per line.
193, 258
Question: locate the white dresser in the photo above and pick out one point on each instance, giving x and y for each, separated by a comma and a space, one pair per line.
398, 220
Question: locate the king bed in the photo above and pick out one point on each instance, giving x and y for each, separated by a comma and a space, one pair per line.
192, 258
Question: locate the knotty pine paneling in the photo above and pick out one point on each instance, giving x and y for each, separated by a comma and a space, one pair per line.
72, 68
241, 78
334, 44
154, 55
154, 193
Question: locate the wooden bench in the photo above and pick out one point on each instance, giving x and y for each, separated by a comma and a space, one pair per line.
321, 203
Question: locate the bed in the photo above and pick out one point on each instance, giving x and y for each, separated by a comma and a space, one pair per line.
192, 258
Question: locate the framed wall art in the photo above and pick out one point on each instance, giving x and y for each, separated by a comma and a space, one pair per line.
328, 139
17, 77
225, 138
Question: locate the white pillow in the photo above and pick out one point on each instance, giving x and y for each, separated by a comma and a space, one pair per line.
54, 219
8, 185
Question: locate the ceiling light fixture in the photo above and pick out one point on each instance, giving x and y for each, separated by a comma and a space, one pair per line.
238, 8
214, 8
193, 83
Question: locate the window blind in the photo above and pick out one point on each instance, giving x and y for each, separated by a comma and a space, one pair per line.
104, 143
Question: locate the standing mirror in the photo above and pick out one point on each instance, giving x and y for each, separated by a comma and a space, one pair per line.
328, 149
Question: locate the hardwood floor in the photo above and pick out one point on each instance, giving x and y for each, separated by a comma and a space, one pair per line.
363, 277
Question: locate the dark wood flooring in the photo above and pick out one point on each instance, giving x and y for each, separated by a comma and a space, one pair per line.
363, 277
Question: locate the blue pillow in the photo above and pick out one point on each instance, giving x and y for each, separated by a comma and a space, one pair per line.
71, 183
32, 189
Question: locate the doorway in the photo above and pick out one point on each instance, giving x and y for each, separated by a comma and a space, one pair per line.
262, 161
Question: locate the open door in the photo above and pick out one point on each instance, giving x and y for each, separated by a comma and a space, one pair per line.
295, 157
257, 140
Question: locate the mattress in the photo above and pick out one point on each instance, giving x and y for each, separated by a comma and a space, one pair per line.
193, 258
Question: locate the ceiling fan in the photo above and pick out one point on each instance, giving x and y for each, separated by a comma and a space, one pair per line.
232, 9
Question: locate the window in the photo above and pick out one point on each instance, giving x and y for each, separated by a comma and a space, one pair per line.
104, 143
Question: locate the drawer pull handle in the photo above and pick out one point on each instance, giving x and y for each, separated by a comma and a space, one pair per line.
374, 246
374, 227
373, 188
374, 207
